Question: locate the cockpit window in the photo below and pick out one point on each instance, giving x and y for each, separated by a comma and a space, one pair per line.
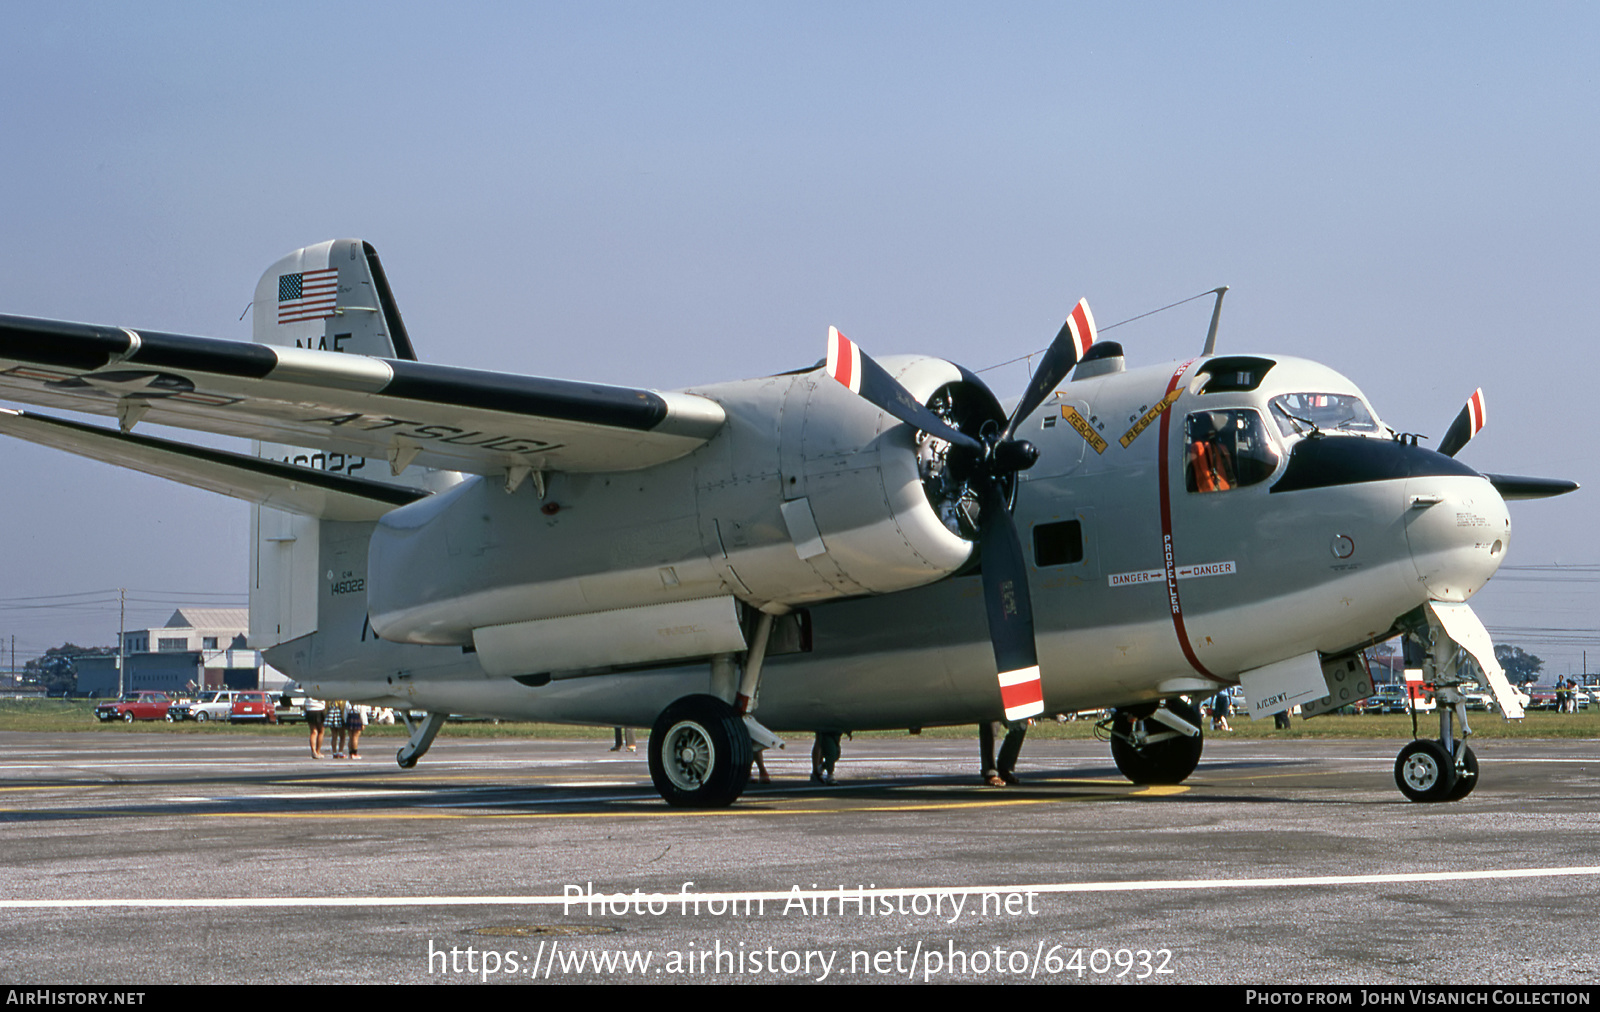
1226, 449
1310, 414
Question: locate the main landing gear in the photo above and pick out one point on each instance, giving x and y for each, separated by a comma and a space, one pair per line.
1156, 743
700, 753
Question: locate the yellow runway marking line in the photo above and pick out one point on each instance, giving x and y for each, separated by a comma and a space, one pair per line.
750, 809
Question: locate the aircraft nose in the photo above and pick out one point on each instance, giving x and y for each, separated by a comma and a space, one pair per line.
1458, 529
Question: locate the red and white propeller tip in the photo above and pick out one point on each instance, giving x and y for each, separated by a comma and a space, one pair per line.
1081, 326
844, 360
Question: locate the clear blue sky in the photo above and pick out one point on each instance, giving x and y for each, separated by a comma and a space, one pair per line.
664, 194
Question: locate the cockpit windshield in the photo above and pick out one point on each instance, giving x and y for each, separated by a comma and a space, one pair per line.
1307, 414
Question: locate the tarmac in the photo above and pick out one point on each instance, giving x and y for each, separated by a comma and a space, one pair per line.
135, 859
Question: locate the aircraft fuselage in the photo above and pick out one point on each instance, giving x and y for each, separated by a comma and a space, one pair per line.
1150, 576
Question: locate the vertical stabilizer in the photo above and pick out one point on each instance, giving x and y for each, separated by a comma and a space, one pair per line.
330, 297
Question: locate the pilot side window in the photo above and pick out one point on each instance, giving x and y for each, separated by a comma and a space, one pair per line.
1226, 449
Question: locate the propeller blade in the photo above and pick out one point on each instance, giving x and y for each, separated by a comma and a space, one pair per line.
1070, 345
1467, 424
1515, 486
1009, 606
853, 368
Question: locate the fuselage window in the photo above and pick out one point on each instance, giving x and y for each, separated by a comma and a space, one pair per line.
1226, 449
1058, 544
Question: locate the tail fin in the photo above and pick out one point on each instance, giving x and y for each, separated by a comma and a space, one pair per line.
332, 296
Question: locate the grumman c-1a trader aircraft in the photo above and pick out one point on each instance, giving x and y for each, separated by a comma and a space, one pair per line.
853, 545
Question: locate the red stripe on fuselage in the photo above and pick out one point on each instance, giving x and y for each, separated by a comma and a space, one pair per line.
1168, 563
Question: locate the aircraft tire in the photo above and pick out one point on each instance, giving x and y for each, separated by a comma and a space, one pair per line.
1466, 775
700, 753
1424, 771
1165, 762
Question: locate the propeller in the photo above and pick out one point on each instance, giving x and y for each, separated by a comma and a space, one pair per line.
1474, 414
984, 465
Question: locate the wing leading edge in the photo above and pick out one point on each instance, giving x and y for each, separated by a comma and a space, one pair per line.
405, 412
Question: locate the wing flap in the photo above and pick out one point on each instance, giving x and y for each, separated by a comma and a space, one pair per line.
439, 416
289, 487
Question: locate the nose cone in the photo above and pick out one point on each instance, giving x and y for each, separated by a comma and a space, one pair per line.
1458, 530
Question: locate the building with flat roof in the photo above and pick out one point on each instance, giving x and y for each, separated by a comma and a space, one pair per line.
198, 648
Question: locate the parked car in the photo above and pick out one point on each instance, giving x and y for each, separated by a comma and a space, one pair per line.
1391, 698
179, 710
252, 705
216, 705
290, 706
145, 705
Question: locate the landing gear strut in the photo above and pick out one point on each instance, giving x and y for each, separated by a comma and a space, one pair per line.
1443, 770
422, 735
700, 753
1156, 744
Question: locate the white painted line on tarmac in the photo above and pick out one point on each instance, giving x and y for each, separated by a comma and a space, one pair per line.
629, 900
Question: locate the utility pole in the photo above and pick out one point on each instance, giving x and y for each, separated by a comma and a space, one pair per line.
122, 640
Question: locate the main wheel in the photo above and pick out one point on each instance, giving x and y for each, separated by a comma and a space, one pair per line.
700, 753
1165, 762
1424, 771
1466, 775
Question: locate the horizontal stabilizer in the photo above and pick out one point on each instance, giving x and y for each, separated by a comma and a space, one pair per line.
288, 487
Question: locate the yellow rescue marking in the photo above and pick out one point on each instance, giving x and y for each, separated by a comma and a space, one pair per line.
1081, 426
1150, 416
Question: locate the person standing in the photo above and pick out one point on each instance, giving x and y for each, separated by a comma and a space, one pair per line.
1001, 771
316, 718
355, 718
824, 754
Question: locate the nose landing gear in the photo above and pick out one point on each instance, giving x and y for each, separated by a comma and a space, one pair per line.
1447, 769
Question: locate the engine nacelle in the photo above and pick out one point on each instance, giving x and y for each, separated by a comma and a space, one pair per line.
807, 494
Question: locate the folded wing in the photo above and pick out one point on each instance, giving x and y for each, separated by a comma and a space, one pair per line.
401, 411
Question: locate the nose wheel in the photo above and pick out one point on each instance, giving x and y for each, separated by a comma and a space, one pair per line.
1427, 771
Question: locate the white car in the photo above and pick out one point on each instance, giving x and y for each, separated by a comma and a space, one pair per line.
213, 705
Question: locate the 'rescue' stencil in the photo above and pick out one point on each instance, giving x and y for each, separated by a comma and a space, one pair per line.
1150, 416
1081, 426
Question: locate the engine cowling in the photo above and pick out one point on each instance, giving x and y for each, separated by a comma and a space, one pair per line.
806, 495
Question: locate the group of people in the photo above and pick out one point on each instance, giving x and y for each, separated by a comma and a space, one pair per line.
344, 719
1566, 695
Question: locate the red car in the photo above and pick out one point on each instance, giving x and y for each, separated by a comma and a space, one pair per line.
253, 705
135, 706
